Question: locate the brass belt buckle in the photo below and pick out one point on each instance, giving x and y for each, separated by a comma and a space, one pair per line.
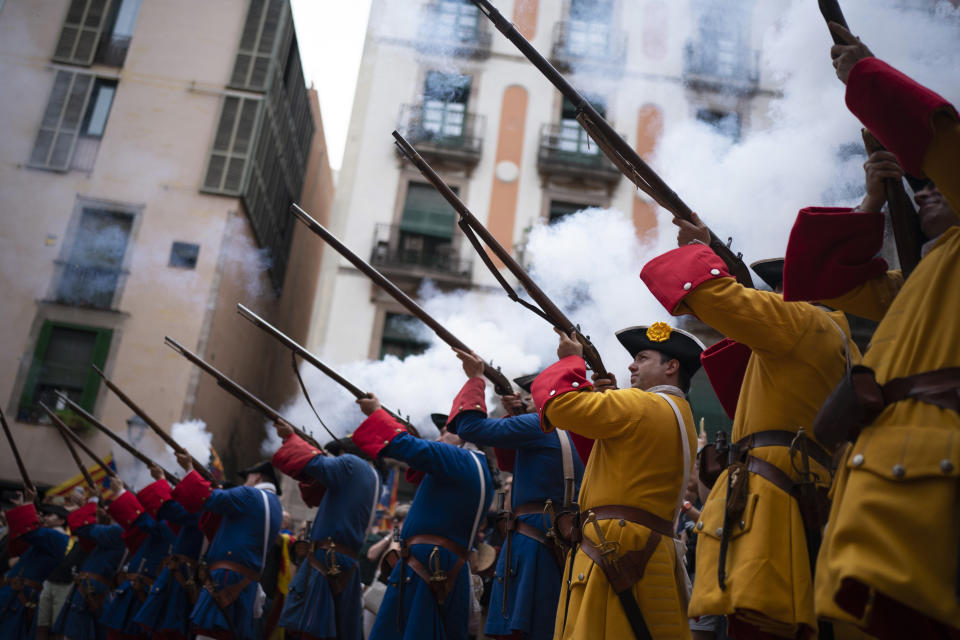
437, 574
607, 548
334, 569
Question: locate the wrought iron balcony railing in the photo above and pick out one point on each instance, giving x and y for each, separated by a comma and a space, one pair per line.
454, 27
443, 130
418, 254
704, 67
567, 150
594, 46
84, 285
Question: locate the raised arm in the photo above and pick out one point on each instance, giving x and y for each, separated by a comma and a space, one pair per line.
468, 419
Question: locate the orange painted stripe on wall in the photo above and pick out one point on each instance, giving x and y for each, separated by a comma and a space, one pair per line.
504, 193
525, 17
649, 128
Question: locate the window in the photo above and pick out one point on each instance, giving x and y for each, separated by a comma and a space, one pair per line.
457, 18
232, 144
91, 273
588, 33
560, 209
445, 98
573, 138
184, 255
62, 362
722, 46
73, 122
724, 122
251, 68
426, 228
402, 336
97, 31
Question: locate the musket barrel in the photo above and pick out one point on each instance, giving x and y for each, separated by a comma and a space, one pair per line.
27, 482
61, 428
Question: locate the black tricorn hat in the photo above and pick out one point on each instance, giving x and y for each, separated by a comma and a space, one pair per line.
770, 271
266, 470
524, 382
660, 336
439, 420
345, 445
55, 509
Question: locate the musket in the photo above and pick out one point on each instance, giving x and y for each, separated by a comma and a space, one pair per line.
830, 9
237, 391
545, 308
903, 217
618, 150
87, 450
27, 483
62, 428
301, 351
166, 437
500, 382
126, 446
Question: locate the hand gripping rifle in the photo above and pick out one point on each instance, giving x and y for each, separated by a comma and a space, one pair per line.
173, 444
500, 382
63, 429
126, 446
27, 483
545, 308
618, 150
298, 350
239, 392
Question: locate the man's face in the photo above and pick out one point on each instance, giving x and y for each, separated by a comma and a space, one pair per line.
51, 520
647, 371
936, 215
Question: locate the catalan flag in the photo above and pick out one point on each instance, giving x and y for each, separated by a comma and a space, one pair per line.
96, 472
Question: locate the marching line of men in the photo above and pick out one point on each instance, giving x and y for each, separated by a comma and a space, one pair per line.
841, 530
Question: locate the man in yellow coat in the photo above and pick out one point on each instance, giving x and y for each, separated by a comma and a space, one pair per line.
626, 578
754, 566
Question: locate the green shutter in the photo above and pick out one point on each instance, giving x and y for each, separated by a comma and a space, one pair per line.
232, 145
81, 31
251, 69
62, 119
33, 376
426, 212
100, 350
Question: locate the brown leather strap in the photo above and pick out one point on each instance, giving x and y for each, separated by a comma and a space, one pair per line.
94, 577
330, 544
771, 472
93, 599
246, 572
226, 595
780, 438
633, 514
441, 583
437, 541
627, 569
184, 571
940, 387
17, 583
530, 531
528, 508
337, 577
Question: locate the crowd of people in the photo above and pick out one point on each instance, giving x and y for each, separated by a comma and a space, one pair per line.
831, 511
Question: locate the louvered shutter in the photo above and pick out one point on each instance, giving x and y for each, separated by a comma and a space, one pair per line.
81, 31
61, 122
232, 144
257, 42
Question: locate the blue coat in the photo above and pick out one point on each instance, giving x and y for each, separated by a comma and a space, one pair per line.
75, 618
251, 522
534, 584
452, 500
47, 548
344, 515
119, 611
168, 605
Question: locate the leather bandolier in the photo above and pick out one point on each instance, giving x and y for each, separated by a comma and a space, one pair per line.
336, 576
83, 582
17, 584
139, 582
226, 595
184, 571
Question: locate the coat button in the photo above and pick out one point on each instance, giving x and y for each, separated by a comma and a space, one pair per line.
899, 471
858, 460
461, 408
687, 286
946, 466
699, 526
574, 384
719, 531
623, 522
399, 430
553, 392
743, 524
714, 272
580, 577
477, 406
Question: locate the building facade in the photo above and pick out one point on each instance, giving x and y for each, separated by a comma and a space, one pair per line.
150, 154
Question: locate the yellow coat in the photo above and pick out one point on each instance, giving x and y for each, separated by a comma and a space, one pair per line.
797, 359
891, 533
636, 461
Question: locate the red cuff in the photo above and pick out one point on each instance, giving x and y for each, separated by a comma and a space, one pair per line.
312, 493
413, 476
294, 455
192, 492
897, 110
21, 520
506, 458
125, 509
470, 398
87, 514
831, 251
376, 432
210, 523
673, 275
568, 374
154, 495
725, 364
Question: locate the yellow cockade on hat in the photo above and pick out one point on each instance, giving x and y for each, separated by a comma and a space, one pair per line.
659, 332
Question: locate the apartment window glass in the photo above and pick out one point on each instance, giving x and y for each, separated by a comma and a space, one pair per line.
62, 360
402, 336
184, 255
91, 274
588, 31
722, 45
573, 137
724, 122
458, 18
445, 98
126, 18
98, 108
560, 209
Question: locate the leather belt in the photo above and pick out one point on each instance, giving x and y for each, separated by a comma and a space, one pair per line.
336, 576
330, 545
184, 571
440, 582
633, 514
226, 595
779, 438
17, 584
93, 599
528, 508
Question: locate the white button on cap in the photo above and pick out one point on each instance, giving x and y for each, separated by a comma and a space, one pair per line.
714, 272
687, 286
553, 392
858, 460
574, 384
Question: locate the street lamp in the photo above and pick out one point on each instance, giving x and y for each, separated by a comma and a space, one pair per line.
136, 427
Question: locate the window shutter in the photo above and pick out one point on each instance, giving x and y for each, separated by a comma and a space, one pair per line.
61, 122
257, 42
426, 212
232, 144
81, 31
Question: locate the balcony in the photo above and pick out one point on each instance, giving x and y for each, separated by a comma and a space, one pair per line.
84, 285
112, 50
567, 151
454, 28
715, 70
439, 131
596, 47
397, 249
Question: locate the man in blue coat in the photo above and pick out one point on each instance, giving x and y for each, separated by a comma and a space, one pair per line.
41, 549
79, 619
428, 592
324, 600
231, 597
546, 477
